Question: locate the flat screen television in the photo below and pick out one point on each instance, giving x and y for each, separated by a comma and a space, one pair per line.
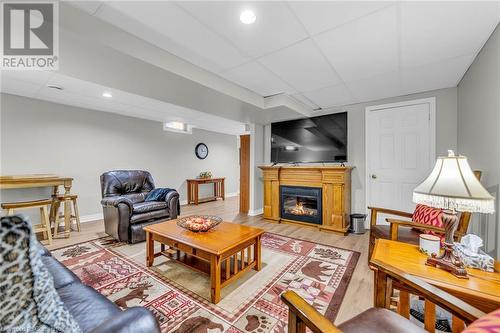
315, 139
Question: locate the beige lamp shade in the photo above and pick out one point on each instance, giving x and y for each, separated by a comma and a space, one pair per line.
452, 185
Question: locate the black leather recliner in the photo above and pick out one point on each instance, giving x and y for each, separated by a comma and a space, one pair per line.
126, 212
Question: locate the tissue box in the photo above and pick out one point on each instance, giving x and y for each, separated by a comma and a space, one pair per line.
475, 260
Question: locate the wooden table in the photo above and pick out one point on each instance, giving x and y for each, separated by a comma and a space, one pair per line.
193, 189
225, 253
43, 180
481, 290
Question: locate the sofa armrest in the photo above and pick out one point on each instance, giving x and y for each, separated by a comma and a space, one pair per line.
172, 199
115, 201
132, 320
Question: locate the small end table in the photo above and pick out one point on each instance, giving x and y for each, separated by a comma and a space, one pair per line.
193, 189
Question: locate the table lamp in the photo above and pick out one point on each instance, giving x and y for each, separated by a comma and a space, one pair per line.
452, 186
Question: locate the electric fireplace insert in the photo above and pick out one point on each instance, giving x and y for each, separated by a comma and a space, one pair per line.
300, 203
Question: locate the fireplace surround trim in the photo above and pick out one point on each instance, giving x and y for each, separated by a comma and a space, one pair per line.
335, 182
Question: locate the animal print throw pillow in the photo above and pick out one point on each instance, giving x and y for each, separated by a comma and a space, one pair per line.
28, 299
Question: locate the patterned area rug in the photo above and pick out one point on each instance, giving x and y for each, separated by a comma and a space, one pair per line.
179, 296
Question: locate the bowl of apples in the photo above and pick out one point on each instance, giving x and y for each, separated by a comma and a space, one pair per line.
199, 223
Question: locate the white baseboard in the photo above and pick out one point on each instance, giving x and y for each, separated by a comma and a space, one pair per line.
256, 212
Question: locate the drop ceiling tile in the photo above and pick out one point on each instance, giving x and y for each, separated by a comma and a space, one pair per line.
302, 66
442, 74
275, 26
377, 87
364, 47
331, 96
304, 100
319, 16
255, 77
433, 31
169, 27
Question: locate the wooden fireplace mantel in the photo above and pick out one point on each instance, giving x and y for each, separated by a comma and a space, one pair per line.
335, 182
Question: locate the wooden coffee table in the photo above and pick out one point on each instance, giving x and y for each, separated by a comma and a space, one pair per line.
225, 253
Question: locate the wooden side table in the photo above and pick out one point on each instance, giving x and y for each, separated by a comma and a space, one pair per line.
193, 189
481, 290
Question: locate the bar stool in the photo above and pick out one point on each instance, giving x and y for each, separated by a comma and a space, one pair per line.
67, 199
43, 205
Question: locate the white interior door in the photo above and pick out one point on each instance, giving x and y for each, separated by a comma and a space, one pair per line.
400, 152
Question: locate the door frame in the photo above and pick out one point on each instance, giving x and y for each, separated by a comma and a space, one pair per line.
432, 140
244, 169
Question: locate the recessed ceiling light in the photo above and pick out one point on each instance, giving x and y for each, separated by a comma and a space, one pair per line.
247, 17
107, 94
53, 86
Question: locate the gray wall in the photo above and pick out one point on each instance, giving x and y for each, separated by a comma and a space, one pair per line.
44, 137
479, 130
446, 136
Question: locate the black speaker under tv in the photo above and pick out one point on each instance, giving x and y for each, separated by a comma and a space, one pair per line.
310, 140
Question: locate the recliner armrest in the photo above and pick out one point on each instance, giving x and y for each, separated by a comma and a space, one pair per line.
132, 320
172, 199
114, 201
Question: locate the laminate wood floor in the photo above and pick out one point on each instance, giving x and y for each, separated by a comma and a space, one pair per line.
359, 296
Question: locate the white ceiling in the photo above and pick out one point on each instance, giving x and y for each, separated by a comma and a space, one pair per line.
84, 94
323, 54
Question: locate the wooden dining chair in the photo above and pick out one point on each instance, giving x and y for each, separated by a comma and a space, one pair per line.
408, 231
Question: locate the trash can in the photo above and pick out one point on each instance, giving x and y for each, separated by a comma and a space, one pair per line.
357, 224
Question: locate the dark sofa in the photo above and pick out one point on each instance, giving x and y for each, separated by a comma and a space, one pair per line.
126, 212
92, 311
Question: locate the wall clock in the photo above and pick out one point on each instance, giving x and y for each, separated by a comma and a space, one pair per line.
201, 151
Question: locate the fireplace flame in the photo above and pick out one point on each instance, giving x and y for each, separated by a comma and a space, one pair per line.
299, 209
